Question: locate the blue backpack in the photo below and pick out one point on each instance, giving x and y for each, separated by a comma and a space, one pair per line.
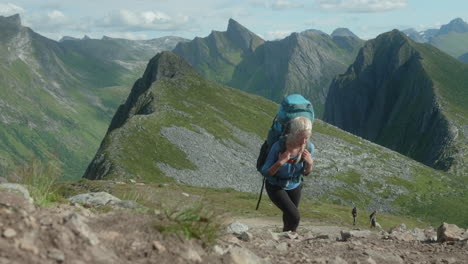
292, 106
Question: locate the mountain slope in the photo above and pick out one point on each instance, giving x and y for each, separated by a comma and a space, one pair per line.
56, 101
302, 63
451, 38
216, 56
133, 55
399, 87
176, 126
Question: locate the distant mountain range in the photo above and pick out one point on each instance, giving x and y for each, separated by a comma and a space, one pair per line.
406, 96
177, 126
451, 38
58, 97
302, 63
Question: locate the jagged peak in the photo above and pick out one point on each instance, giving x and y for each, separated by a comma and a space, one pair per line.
13, 19
456, 25
394, 35
456, 21
165, 65
314, 31
233, 25
343, 32
65, 38
86, 37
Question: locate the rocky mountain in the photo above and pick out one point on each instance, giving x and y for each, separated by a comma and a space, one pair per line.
409, 97
451, 38
130, 54
343, 32
177, 126
217, 55
457, 25
302, 63
56, 98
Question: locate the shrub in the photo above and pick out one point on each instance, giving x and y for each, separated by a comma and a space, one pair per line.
193, 222
40, 180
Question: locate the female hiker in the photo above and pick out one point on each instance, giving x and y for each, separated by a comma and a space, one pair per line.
289, 159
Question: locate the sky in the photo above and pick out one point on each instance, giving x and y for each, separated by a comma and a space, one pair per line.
270, 19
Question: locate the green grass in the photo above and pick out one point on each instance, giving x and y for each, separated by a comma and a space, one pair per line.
207, 105
40, 179
193, 222
205, 208
450, 80
452, 43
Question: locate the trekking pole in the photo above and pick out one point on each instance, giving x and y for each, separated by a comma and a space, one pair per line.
261, 192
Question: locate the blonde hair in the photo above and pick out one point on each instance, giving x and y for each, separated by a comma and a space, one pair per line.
297, 127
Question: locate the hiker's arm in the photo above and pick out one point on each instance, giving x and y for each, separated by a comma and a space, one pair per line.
273, 160
308, 162
283, 158
308, 167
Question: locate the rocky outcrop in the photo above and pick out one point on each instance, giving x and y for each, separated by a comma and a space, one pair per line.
303, 63
216, 55
389, 97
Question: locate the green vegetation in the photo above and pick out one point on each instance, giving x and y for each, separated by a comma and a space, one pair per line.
40, 180
204, 104
193, 222
201, 213
450, 80
453, 43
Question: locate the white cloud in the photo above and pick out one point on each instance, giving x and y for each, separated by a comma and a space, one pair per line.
128, 35
9, 9
278, 34
126, 20
283, 4
362, 6
51, 21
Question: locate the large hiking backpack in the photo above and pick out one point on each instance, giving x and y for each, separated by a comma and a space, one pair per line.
292, 106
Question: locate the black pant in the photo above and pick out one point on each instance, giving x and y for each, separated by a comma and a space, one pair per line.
288, 202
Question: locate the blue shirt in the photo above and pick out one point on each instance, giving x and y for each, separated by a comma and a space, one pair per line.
289, 175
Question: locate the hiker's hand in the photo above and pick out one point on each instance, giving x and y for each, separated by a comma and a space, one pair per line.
284, 157
307, 157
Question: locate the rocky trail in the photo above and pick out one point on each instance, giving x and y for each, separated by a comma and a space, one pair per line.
73, 233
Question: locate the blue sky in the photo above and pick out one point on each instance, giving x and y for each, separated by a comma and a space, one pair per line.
271, 19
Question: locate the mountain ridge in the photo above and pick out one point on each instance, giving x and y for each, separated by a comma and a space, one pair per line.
189, 130
400, 69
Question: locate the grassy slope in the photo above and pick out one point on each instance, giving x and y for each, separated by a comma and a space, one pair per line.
238, 108
69, 133
432, 195
230, 203
455, 44
450, 80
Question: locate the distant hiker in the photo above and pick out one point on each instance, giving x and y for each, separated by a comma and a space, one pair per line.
354, 213
373, 219
289, 158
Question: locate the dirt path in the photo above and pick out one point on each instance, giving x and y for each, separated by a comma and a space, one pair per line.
76, 235
322, 243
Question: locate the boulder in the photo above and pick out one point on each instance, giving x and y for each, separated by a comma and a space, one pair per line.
95, 198
450, 232
346, 235
17, 188
237, 228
